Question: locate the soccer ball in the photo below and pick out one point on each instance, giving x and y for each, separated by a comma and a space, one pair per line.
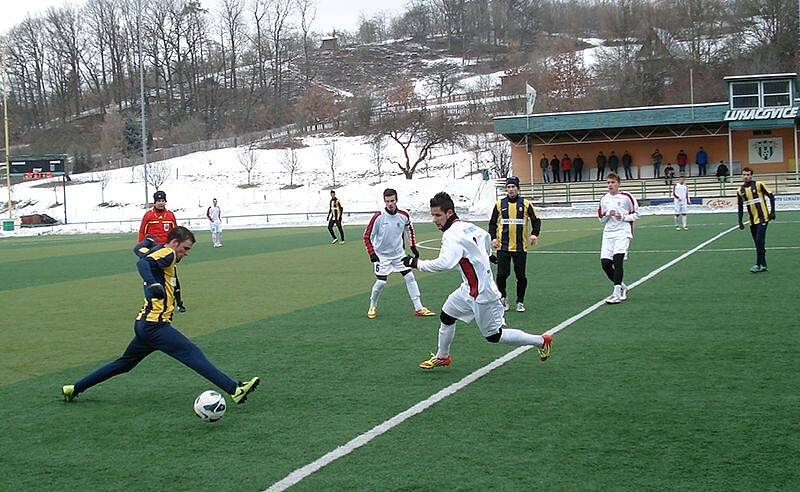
210, 406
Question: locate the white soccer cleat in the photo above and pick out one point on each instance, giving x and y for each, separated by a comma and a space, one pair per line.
504, 302
677, 228
613, 300
623, 293
334, 241
520, 307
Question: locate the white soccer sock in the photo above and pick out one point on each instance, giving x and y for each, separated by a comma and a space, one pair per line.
413, 290
446, 334
511, 336
376, 292
617, 290
676, 220
684, 219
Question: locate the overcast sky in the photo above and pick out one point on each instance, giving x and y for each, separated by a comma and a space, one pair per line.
341, 14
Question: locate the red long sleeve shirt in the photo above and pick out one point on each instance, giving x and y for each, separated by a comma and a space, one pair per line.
157, 224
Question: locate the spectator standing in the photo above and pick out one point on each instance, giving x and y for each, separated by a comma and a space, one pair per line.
566, 168
627, 161
544, 164
669, 173
656, 158
681, 160
701, 159
722, 172
613, 163
577, 165
555, 164
601, 166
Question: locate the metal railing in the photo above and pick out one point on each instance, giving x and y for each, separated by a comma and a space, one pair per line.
644, 189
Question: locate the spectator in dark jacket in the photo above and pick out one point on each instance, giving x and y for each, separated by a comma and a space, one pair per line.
577, 165
627, 161
613, 162
722, 172
601, 166
682, 159
656, 158
669, 173
544, 164
566, 168
555, 166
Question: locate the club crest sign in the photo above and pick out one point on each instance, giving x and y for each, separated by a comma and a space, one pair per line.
765, 150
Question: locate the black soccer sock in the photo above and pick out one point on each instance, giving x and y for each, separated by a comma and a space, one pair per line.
608, 267
618, 271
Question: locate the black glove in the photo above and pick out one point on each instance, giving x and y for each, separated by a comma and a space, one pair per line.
181, 308
772, 215
156, 291
493, 259
374, 258
741, 226
410, 262
415, 251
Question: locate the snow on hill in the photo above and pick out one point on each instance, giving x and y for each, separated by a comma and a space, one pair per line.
197, 178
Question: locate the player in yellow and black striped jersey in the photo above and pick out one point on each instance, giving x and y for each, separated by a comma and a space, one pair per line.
508, 228
153, 329
753, 195
335, 211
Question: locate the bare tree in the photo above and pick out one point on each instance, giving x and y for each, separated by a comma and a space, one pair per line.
377, 147
501, 157
157, 173
332, 156
417, 133
248, 159
307, 11
291, 164
103, 178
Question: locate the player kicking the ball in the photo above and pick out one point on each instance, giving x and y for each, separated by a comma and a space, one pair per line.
385, 239
468, 246
617, 211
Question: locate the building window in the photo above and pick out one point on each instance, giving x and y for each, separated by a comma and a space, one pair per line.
776, 93
744, 95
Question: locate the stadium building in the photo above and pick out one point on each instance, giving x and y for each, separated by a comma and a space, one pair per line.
757, 126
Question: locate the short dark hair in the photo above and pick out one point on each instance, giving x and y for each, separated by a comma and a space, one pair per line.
389, 192
613, 176
181, 234
443, 201
333, 192
747, 170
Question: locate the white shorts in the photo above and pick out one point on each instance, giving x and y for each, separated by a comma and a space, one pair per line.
614, 246
216, 227
680, 209
489, 317
385, 266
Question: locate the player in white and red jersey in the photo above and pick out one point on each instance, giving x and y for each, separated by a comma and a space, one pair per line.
214, 215
680, 197
469, 247
385, 237
618, 211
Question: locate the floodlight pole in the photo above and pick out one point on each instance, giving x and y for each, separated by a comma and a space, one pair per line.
141, 103
5, 126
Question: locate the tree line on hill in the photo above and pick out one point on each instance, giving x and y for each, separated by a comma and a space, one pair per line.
249, 64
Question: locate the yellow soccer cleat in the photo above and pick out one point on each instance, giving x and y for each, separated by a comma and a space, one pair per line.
436, 362
544, 350
68, 391
372, 312
423, 311
239, 395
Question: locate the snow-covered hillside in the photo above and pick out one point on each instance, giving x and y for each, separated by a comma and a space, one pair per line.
197, 178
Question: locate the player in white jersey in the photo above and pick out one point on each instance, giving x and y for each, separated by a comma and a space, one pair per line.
618, 211
680, 197
385, 237
214, 215
477, 298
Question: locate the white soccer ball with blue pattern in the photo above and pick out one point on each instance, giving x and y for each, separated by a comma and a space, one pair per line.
210, 406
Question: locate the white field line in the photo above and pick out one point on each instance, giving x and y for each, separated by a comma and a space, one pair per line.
710, 250
345, 449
